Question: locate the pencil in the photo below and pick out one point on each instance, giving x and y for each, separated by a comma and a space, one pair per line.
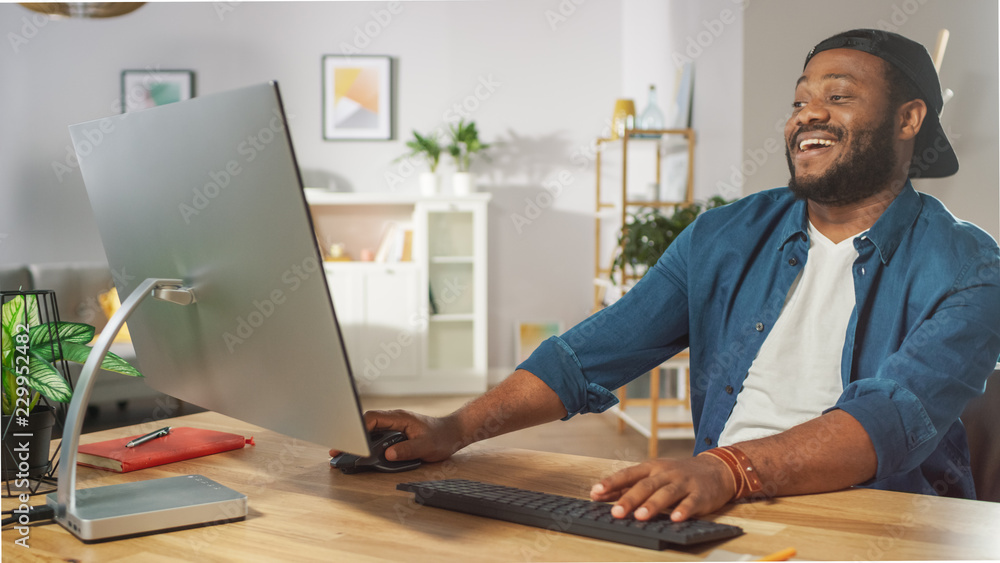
783, 555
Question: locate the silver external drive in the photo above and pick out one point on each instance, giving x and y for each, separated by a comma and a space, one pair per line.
128, 509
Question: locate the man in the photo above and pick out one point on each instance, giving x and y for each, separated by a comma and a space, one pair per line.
836, 327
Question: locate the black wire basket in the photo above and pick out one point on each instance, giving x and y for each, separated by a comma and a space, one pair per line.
30, 463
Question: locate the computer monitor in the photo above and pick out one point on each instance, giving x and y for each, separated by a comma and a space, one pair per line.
208, 191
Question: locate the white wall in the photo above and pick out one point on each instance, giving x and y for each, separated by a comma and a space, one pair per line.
657, 38
779, 34
559, 65
554, 69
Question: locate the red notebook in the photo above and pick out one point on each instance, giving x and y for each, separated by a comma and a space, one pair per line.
180, 444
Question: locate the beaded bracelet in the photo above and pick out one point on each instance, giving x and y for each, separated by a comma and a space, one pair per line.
745, 477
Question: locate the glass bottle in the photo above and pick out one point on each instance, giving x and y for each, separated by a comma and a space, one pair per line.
651, 117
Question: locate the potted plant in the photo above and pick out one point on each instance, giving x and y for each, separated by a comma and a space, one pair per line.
464, 143
429, 148
649, 232
29, 350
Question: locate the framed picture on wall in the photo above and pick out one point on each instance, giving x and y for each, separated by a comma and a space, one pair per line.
529, 335
357, 97
143, 89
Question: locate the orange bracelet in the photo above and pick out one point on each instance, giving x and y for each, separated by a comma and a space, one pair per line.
745, 477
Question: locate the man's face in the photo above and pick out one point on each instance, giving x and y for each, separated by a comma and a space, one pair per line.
840, 139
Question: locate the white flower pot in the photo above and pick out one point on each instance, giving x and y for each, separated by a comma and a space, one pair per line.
463, 183
430, 183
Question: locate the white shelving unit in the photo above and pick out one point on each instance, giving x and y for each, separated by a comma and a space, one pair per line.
414, 327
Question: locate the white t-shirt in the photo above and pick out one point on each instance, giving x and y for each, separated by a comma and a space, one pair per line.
796, 374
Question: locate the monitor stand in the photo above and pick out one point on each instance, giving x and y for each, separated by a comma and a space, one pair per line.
144, 507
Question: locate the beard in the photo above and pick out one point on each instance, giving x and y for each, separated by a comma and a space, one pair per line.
863, 171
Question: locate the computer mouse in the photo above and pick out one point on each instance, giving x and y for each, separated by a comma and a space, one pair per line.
378, 441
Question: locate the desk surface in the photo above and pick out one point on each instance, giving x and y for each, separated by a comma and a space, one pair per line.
301, 509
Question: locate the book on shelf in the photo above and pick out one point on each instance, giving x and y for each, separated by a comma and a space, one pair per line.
180, 444
407, 250
397, 244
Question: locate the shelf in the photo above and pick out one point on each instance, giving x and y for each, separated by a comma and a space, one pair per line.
661, 178
450, 346
652, 203
452, 317
610, 210
367, 266
322, 196
380, 303
452, 260
638, 417
645, 135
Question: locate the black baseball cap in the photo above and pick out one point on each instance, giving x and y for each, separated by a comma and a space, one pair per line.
933, 156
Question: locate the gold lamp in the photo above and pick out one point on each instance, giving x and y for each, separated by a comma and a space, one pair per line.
83, 9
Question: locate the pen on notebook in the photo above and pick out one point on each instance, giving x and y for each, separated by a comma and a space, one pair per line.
151, 436
783, 555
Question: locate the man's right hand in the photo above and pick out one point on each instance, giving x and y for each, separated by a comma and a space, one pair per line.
428, 438
520, 401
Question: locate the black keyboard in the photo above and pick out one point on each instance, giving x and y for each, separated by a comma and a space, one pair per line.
564, 514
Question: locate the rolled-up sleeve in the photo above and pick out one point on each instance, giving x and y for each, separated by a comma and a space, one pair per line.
920, 390
555, 363
619, 343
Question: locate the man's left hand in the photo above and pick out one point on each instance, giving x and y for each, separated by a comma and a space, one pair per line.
696, 485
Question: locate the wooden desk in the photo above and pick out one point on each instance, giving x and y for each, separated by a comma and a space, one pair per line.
301, 509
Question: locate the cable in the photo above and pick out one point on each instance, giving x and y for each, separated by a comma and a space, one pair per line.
34, 514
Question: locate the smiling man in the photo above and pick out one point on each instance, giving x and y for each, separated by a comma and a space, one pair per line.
837, 327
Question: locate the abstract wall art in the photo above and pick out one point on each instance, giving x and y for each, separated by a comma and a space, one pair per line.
357, 97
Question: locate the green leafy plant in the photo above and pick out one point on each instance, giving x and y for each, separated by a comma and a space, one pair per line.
465, 143
29, 348
425, 146
649, 232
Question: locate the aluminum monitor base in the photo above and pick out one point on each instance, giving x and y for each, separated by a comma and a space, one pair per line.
129, 509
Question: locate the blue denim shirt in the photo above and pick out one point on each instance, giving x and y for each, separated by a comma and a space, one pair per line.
921, 341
